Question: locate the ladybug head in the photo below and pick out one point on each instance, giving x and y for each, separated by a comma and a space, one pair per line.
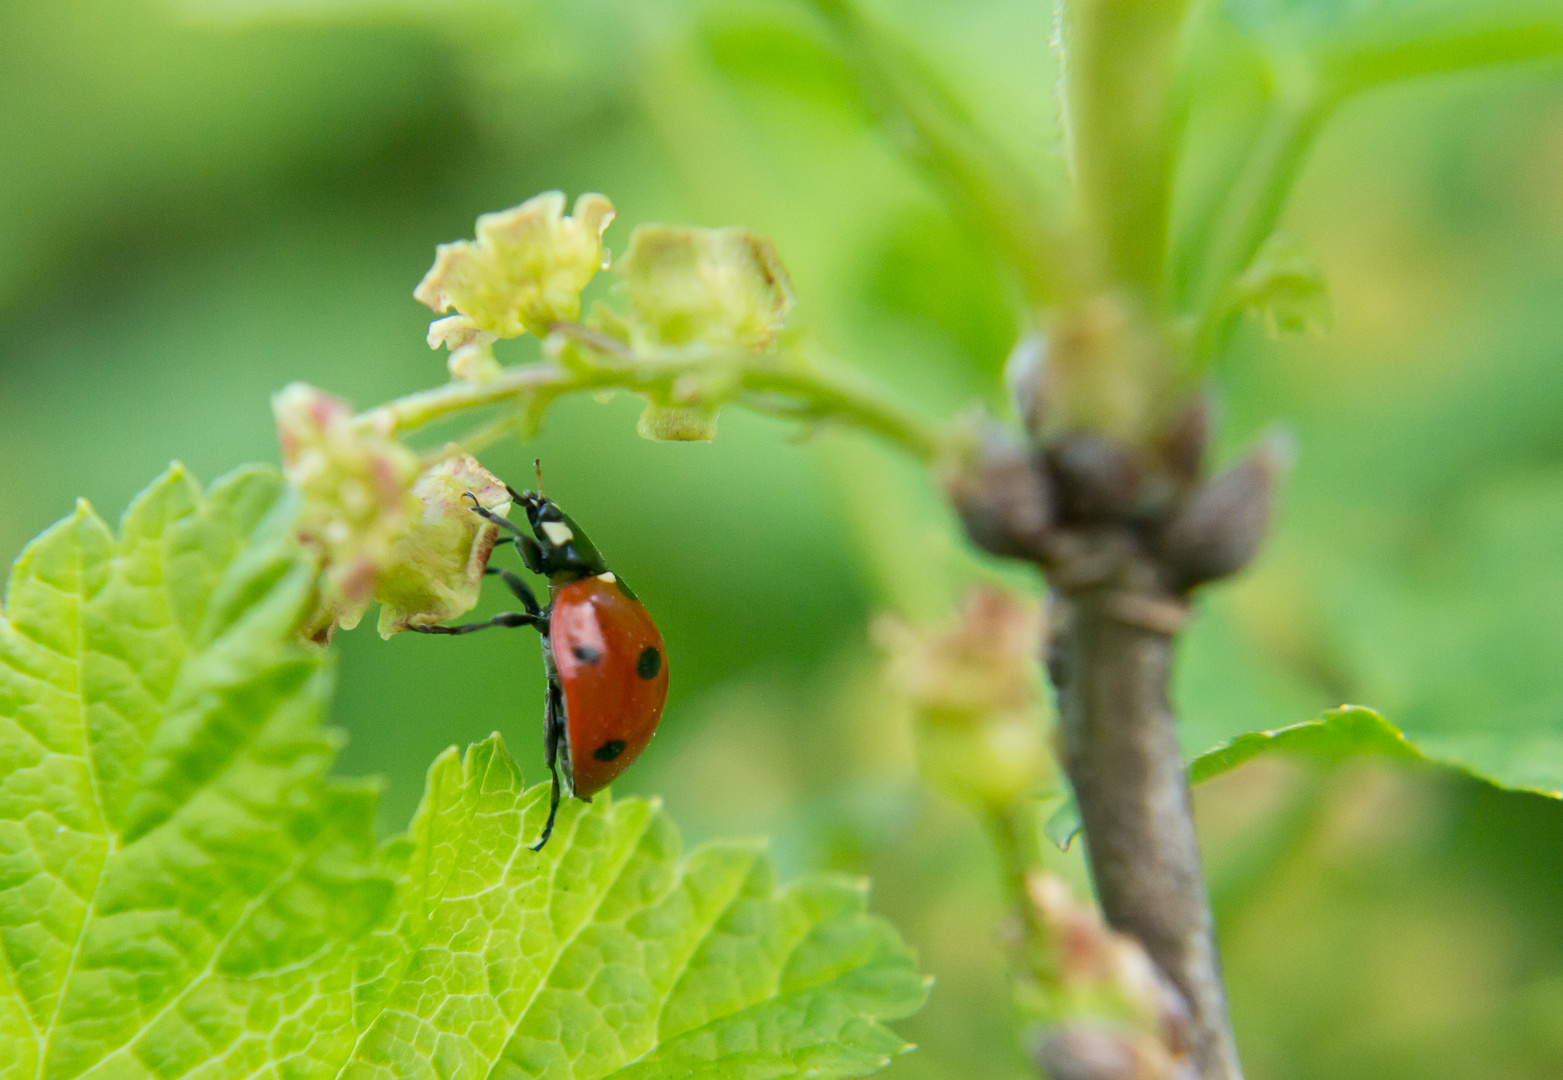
561, 551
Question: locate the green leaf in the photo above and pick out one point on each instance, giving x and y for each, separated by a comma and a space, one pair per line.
184, 891
1339, 734
607, 955
179, 882
1348, 732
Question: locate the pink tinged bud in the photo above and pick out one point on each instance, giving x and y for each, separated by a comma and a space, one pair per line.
436, 567
353, 481
975, 694
1219, 530
1110, 978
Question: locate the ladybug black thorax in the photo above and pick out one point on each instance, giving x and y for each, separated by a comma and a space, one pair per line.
561, 552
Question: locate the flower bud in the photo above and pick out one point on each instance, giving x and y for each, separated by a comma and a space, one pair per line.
975, 691
354, 486
1097, 975
1285, 289
525, 270
677, 423
436, 566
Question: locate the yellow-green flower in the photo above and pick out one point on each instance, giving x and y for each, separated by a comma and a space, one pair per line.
436, 567
525, 270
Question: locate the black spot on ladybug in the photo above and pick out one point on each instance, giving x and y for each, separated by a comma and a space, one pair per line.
609, 750
649, 664
586, 654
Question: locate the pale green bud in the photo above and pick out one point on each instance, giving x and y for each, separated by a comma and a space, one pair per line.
354, 483
436, 567
525, 270
974, 686
721, 288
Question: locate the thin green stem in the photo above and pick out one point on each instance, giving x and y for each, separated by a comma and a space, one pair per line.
777, 386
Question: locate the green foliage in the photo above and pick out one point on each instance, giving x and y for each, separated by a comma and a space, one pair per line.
605, 955
183, 890
1337, 735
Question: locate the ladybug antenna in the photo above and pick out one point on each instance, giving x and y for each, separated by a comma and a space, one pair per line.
537, 463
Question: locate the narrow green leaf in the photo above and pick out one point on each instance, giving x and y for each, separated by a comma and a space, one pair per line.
1350, 731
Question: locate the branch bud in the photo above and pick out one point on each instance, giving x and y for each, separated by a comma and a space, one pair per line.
1219, 530
1096, 479
1028, 378
999, 489
1184, 440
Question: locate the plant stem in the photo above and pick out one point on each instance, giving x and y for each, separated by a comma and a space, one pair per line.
777, 386
1122, 756
1120, 60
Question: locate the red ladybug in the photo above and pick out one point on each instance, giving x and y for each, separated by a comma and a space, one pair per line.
607, 668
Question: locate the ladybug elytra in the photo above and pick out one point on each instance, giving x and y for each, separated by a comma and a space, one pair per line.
606, 664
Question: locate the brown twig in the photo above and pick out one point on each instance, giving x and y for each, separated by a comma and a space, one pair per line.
1124, 530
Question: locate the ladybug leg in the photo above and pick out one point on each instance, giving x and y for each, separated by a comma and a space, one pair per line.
504, 618
523, 593
553, 731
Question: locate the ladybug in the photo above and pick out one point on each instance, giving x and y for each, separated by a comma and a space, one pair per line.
606, 664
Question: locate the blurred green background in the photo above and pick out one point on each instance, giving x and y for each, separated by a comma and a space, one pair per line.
198, 204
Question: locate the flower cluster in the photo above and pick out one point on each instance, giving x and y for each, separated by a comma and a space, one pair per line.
381, 528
